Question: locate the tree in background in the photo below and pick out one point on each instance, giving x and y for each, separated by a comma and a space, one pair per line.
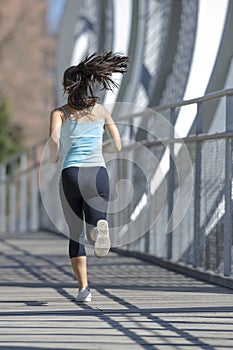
10, 134
27, 59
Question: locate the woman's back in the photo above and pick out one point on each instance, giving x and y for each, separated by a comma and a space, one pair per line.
81, 137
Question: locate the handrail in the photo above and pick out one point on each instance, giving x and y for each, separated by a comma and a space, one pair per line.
166, 141
207, 97
181, 103
184, 140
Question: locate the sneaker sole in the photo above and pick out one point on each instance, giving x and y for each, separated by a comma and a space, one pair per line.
102, 243
88, 300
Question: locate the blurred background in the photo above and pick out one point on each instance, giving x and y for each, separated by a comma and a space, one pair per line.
28, 57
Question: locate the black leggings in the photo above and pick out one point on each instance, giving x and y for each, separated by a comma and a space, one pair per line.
84, 194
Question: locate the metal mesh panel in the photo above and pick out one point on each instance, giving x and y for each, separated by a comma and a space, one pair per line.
212, 201
211, 221
183, 230
187, 244
212, 179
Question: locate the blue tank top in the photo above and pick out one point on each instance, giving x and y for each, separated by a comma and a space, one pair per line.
82, 142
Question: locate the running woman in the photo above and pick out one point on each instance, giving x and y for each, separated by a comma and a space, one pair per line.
84, 185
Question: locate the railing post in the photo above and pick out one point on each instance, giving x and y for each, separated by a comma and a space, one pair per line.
2, 197
130, 163
228, 189
23, 193
12, 198
197, 190
171, 183
34, 200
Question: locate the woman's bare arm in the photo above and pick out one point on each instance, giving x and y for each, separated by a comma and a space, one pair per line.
112, 128
54, 133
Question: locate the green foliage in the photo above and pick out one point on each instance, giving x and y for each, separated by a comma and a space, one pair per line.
10, 134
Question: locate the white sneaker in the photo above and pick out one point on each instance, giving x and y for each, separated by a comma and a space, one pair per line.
102, 243
84, 295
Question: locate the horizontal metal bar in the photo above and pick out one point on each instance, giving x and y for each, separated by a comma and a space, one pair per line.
207, 97
186, 140
181, 103
200, 138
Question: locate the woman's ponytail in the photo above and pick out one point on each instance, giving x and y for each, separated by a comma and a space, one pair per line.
79, 81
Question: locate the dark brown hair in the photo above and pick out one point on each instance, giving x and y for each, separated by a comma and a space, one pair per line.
80, 81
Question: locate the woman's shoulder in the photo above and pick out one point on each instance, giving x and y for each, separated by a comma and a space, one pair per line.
57, 109
58, 112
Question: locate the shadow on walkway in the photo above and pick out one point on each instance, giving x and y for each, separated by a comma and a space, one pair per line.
136, 305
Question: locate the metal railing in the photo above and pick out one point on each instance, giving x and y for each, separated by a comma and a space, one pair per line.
19, 191
205, 249
204, 237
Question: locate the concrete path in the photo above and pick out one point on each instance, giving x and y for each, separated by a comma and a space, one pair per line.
136, 305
